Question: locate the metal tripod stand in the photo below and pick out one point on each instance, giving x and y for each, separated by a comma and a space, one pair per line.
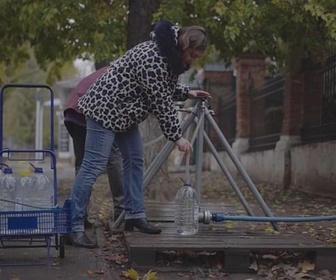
199, 114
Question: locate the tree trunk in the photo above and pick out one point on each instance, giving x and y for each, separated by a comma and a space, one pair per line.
140, 20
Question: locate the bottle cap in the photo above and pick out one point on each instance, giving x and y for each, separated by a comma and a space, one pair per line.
8, 170
38, 170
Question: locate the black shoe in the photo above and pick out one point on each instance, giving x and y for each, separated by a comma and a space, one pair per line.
142, 225
88, 224
116, 216
80, 239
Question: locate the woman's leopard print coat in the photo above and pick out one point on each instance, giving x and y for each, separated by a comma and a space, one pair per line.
137, 84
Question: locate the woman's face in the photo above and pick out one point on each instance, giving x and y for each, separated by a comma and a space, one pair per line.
190, 55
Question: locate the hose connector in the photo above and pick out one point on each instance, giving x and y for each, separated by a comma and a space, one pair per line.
204, 217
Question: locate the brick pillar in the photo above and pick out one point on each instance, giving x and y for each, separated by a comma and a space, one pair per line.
219, 84
250, 71
293, 104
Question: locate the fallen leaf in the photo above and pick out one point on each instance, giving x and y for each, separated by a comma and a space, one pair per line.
307, 266
254, 266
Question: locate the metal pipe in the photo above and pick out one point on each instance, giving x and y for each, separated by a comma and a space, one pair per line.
241, 169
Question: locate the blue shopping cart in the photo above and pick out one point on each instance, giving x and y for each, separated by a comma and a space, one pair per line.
38, 228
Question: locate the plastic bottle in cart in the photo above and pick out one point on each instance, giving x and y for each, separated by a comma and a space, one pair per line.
8, 186
2, 217
186, 210
21, 192
24, 172
40, 196
1, 174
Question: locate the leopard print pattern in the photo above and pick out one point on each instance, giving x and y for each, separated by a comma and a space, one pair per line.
135, 85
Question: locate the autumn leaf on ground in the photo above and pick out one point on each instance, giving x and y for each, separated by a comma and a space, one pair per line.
269, 229
92, 272
150, 275
131, 274
270, 257
118, 259
307, 265
254, 266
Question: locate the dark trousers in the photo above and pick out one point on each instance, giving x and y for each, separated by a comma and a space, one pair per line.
113, 168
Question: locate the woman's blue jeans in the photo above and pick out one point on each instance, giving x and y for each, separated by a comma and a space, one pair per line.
98, 146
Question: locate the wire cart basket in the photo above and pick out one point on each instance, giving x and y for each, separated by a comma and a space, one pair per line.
40, 227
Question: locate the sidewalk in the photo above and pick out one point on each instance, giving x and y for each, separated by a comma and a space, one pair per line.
78, 263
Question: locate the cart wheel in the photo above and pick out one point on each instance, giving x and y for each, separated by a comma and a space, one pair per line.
61, 247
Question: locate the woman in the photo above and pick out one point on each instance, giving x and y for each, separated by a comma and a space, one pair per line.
142, 81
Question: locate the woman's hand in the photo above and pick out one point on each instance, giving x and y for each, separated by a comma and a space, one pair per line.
198, 94
184, 145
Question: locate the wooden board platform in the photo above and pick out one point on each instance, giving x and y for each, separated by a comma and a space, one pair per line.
235, 243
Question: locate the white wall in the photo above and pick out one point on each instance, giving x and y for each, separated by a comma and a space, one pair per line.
311, 168
314, 168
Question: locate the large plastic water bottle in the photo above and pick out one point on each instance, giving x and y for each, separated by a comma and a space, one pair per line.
8, 186
186, 210
40, 196
2, 216
1, 174
22, 192
24, 171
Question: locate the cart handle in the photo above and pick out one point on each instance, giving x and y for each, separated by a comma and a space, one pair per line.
11, 85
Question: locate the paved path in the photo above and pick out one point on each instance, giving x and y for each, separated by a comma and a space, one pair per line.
78, 263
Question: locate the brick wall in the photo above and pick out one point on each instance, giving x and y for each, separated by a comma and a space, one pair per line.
293, 104
221, 86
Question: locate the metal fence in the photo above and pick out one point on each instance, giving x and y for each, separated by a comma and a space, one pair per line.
319, 109
266, 114
226, 118
319, 121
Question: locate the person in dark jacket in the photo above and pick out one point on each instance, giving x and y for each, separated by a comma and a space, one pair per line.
143, 81
75, 123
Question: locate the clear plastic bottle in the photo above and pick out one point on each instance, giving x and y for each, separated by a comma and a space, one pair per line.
186, 210
22, 193
8, 186
1, 174
24, 171
39, 195
2, 216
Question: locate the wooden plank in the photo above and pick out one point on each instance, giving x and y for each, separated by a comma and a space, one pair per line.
325, 259
237, 261
142, 258
219, 239
236, 241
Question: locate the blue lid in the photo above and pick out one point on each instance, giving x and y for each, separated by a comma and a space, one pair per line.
8, 170
38, 170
